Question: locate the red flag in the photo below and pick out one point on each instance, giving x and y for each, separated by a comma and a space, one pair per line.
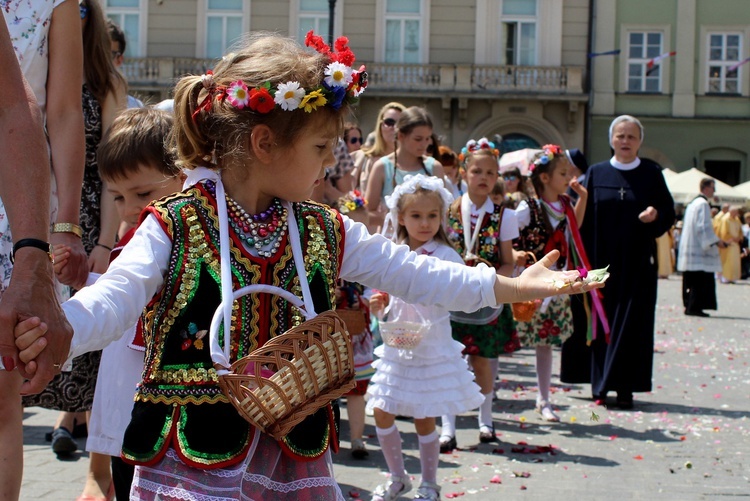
650, 65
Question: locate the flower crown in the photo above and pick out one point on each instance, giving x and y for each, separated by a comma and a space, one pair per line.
351, 202
409, 186
548, 153
473, 145
341, 83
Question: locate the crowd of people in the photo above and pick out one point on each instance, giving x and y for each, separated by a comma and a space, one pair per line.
254, 176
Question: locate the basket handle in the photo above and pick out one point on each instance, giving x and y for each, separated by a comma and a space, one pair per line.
218, 355
517, 270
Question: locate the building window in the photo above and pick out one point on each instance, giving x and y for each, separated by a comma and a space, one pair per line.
724, 55
403, 31
643, 46
518, 32
224, 24
313, 15
127, 14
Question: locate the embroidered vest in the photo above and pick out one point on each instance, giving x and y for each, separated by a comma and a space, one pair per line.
488, 242
538, 237
179, 403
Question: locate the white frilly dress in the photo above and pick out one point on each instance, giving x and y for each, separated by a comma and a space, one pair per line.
433, 379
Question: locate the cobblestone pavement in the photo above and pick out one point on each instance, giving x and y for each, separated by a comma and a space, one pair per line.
688, 439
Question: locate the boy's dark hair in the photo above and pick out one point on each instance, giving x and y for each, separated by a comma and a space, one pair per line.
117, 35
137, 137
706, 182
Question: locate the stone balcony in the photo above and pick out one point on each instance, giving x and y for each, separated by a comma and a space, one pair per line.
157, 75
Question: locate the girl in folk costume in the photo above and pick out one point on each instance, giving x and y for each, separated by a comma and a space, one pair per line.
434, 379
545, 223
255, 136
482, 232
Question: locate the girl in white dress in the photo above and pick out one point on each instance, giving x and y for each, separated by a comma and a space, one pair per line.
433, 379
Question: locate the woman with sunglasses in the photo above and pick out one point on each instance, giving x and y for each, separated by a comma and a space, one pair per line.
385, 143
352, 137
413, 135
515, 187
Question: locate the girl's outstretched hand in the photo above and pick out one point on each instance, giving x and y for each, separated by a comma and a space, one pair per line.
538, 282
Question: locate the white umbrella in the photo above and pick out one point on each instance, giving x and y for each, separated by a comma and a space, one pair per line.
685, 186
519, 159
744, 188
668, 172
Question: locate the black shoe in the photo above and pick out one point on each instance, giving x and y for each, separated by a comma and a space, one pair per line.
696, 313
487, 437
448, 444
63, 443
625, 401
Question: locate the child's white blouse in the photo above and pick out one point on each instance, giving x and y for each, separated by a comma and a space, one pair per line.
100, 313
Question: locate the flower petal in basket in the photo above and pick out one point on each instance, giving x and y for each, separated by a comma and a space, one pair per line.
312, 364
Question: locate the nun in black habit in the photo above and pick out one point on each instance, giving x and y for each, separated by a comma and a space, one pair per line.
629, 205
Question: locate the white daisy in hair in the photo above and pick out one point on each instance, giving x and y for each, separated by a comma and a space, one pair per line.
289, 95
338, 75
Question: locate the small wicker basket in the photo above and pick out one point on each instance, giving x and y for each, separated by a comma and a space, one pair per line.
524, 311
402, 335
312, 364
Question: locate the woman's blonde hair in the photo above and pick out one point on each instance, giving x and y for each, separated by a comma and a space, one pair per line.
219, 134
380, 149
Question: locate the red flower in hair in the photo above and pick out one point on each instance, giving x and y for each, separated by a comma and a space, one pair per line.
344, 54
261, 100
317, 43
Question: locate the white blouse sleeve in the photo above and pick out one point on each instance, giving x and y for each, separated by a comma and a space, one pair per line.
508, 226
102, 312
374, 261
523, 214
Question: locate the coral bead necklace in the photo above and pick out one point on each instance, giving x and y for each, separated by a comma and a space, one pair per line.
263, 231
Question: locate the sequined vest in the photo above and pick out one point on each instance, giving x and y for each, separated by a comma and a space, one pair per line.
179, 403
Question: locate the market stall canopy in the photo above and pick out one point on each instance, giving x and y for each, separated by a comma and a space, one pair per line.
668, 172
744, 189
519, 159
685, 186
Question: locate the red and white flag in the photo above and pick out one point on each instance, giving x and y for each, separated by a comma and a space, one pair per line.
650, 65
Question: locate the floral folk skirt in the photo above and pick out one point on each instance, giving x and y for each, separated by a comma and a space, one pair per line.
490, 340
550, 327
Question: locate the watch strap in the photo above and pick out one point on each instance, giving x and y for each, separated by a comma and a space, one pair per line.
32, 242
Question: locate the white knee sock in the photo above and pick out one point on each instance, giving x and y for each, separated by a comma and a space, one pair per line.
429, 455
448, 428
543, 371
390, 444
485, 410
494, 367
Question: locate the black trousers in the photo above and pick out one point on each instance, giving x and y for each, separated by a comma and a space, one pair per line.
698, 290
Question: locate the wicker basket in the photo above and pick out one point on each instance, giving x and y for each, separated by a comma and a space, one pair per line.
312, 365
355, 319
402, 335
524, 310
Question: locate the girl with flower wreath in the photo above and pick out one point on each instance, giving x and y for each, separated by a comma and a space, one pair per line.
482, 232
550, 221
254, 136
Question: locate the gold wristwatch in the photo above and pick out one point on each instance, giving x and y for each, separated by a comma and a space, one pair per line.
67, 228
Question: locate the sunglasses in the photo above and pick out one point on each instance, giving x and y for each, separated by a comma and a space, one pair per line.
83, 10
389, 122
116, 54
510, 178
355, 140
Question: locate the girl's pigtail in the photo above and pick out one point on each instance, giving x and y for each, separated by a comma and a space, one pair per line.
188, 137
